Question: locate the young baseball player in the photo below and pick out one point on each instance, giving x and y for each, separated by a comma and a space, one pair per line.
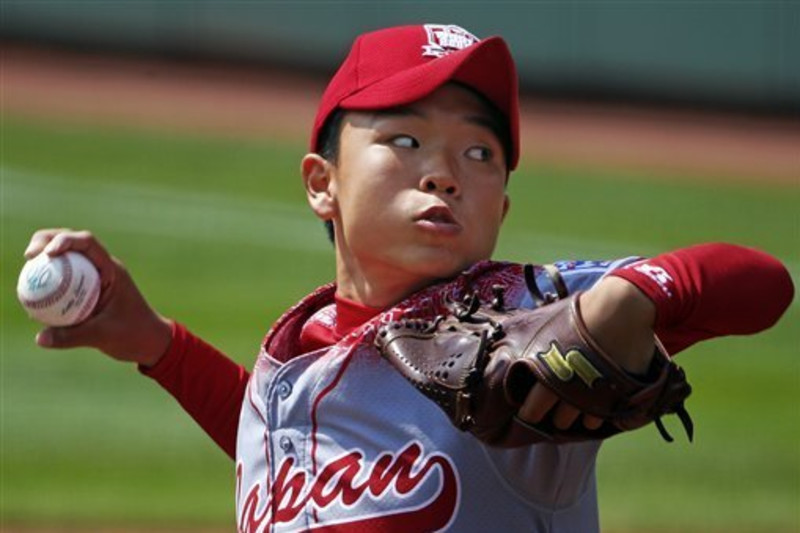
411, 152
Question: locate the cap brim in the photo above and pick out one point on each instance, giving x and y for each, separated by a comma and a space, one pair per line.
486, 66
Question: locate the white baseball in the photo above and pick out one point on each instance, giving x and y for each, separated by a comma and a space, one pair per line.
59, 291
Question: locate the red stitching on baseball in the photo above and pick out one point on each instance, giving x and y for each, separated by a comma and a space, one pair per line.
88, 304
61, 290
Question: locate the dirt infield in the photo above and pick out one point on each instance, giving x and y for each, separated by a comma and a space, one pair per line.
239, 101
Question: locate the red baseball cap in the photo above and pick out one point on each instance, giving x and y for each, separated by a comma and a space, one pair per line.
397, 66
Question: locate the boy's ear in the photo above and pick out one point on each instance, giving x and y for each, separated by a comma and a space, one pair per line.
506, 205
317, 178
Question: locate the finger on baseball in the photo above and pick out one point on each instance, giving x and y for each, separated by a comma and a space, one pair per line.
45, 338
40, 239
63, 337
539, 401
78, 241
84, 242
66, 337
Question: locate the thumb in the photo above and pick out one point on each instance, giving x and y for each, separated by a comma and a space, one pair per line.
64, 337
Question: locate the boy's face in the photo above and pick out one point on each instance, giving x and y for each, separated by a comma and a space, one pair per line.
418, 192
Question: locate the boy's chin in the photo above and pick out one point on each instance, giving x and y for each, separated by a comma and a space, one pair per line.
448, 266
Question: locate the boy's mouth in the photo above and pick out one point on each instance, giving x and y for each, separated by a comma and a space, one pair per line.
438, 218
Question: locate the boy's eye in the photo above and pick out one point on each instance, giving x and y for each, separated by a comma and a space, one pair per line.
480, 153
404, 141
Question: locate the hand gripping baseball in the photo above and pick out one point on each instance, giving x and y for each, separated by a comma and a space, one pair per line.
122, 324
480, 362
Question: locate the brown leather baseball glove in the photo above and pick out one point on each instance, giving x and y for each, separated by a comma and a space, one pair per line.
479, 363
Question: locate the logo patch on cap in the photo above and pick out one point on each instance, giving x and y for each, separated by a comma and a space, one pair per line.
446, 38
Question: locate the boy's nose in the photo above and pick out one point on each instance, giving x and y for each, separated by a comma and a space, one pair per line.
443, 182
439, 183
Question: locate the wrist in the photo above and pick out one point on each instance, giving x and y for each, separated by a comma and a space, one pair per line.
156, 342
620, 318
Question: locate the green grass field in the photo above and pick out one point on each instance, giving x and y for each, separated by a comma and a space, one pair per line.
217, 234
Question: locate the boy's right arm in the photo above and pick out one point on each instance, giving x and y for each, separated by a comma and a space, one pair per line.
208, 385
124, 326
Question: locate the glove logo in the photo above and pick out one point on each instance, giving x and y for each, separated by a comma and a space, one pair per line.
566, 366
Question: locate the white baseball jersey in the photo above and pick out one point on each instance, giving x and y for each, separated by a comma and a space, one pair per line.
337, 440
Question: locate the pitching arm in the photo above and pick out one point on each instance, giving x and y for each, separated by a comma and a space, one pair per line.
208, 385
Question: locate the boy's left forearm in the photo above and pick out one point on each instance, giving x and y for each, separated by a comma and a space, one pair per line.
620, 318
711, 290
686, 296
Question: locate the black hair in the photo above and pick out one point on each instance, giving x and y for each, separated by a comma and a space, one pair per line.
328, 147
329, 136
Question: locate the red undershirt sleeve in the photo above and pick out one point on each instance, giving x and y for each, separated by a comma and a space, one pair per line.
208, 385
711, 290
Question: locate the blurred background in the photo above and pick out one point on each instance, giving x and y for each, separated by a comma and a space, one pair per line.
174, 130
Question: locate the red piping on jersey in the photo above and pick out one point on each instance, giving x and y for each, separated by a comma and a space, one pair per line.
268, 488
314, 408
318, 399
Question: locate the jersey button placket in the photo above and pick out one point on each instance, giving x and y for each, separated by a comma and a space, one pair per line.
286, 444
284, 389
